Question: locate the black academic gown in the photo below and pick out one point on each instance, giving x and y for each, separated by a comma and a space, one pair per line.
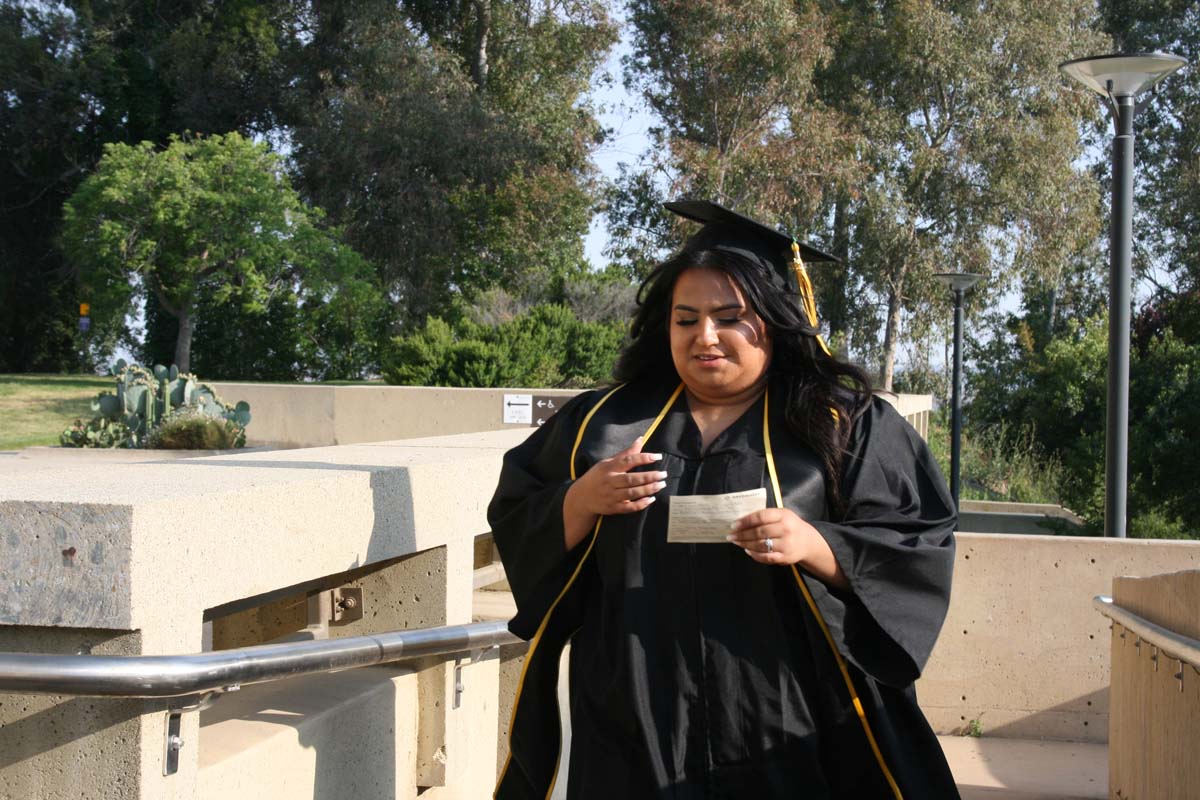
697, 673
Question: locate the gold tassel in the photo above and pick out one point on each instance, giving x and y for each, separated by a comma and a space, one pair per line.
807, 299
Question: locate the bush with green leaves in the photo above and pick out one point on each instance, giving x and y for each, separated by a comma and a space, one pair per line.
188, 428
1058, 389
143, 399
547, 346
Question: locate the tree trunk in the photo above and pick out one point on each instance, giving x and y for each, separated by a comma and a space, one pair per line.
891, 334
183, 342
1051, 313
835, 309
483, 20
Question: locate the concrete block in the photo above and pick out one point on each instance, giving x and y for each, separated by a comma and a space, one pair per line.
1020, 769
68, 564
52, 747
1022, 650
321, 736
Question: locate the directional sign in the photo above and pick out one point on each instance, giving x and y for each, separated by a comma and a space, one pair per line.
518, 409
545, 407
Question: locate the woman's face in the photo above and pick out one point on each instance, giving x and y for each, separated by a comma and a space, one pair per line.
720, 346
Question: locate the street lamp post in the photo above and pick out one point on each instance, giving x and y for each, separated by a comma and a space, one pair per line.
958, 282
1120, 78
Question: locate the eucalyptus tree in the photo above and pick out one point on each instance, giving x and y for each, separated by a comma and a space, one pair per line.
731, 87
914, 136
451, 140
970, 141
1167, 255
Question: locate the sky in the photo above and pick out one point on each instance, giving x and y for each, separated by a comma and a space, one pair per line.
629, 122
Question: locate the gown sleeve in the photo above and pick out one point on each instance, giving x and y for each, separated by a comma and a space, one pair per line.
896, 547
525, 515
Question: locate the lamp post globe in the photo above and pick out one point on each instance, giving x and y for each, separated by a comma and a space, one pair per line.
1120, 78
958, 282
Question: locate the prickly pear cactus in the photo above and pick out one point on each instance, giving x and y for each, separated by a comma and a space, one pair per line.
143, 400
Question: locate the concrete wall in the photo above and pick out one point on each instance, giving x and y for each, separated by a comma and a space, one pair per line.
131, 558
299, 415
1023, 651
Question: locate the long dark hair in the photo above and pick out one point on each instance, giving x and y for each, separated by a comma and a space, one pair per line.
812, 381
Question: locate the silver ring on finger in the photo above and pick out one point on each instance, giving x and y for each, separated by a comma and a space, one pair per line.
770, 545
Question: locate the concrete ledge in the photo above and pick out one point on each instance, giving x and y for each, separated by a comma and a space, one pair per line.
1017, 769
1029, 523
347, 734
151, 545
300, 415
305, 415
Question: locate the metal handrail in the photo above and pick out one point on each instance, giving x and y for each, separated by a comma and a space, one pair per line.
1175, 645
175, 676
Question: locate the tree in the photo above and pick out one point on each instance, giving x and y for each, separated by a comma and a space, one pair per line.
731, 84
74, 77
1167, 225
205, 214
971, 144
913, 137
451, 141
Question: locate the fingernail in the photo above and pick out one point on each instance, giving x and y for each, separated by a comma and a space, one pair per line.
731, 538
747, 552
656, 456
651, 499
733, 526
662, 476
660, 485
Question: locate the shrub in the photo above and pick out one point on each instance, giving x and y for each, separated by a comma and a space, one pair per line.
191, 429
546, 346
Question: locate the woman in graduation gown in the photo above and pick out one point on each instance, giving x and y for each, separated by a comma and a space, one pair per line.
777, 665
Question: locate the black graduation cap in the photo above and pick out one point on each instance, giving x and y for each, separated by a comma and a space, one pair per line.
783, 255
725, 229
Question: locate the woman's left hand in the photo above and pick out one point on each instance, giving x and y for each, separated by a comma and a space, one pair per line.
792, 541
775, 536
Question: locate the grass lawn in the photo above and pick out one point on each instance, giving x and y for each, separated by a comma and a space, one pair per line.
34, 409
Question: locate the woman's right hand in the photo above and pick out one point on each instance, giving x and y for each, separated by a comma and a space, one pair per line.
610, 487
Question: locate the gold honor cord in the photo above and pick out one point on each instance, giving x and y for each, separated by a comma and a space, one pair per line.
807, 299
537, 637
812, 604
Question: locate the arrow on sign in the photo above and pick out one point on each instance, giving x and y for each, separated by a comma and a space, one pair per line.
511, 404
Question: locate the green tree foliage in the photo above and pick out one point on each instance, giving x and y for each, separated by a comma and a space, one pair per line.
74, 77
916, 136
208, 218
1059, 390
731, 84
1167, 225
548, 346
451, 141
